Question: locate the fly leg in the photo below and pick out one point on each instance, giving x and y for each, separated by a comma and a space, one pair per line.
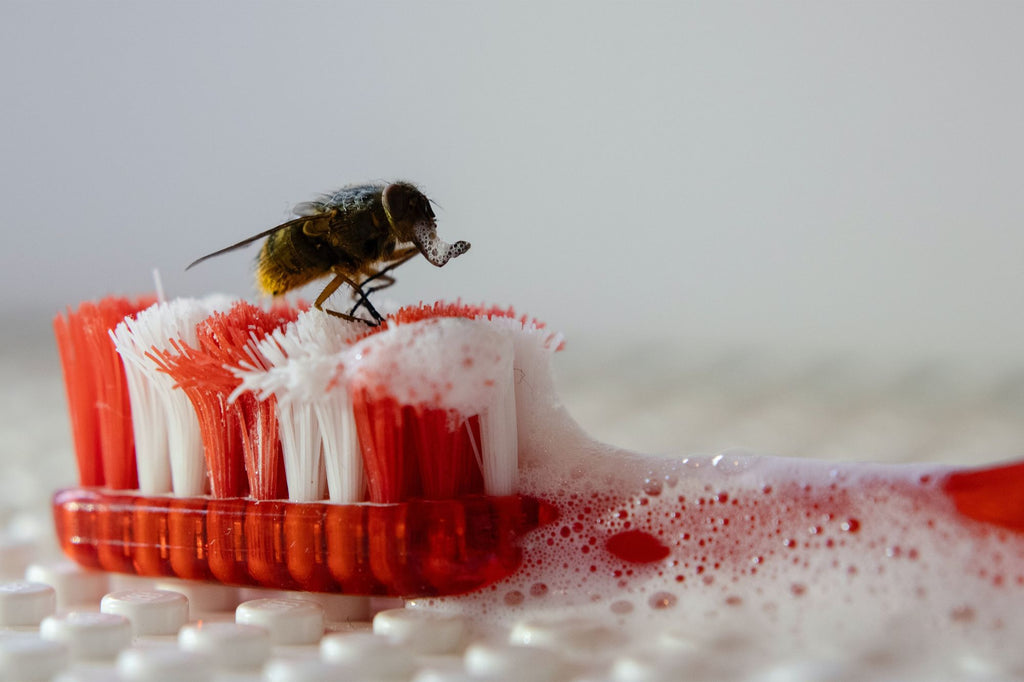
333, 286
364, 296
386, 280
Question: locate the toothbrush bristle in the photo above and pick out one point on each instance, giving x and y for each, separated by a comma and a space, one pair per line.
429, 399
97, 391
390, 467
314, 416
430, 311
168, 447
470, 311
239, 438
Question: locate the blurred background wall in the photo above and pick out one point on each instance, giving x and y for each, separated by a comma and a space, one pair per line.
794, 178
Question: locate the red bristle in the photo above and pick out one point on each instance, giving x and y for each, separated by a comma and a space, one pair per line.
438, 309
261, 445
218, 423
424, 311
448, 465
240, 437
81, 396
412, 451
387, 461
97, 391
287, 310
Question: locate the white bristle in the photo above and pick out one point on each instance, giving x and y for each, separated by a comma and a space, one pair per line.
302, 450
345, 478
149, 414
169, 452
500, 451
315, 420
534, 345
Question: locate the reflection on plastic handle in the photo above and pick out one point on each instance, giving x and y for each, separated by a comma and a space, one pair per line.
417, 548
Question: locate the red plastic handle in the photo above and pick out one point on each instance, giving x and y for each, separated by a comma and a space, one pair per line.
417, 548
992, 495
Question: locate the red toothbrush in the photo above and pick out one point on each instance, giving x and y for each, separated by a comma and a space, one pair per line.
429, 457
243, 500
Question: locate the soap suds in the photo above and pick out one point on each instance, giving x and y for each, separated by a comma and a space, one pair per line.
805, 557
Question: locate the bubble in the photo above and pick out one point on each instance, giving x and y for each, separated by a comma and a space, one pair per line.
662, 600
652, 487
963, 614
514, 598
621, 607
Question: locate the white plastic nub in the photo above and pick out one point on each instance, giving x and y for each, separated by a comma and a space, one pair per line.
441, 673
289, 621
303, 669
202, 597
25, 603
29, 658
422, 631
100, 673
230, 646
654, 665
569, 635
75, 585
159, 664
504, 662
376, 657
93, 636
151, 612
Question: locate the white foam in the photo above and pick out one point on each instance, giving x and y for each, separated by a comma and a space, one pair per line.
810, 558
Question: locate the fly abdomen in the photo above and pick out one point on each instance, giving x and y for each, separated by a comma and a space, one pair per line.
289, 259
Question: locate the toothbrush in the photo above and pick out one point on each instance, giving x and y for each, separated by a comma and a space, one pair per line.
527, 511
263, 483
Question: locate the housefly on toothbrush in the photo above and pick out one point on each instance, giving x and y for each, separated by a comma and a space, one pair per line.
357, 236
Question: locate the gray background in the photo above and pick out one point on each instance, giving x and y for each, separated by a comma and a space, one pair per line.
793, 176
721, 204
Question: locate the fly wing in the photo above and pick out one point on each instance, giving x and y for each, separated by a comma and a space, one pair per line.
317, 224
310, 208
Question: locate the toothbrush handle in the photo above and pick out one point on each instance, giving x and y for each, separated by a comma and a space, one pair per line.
416, 548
